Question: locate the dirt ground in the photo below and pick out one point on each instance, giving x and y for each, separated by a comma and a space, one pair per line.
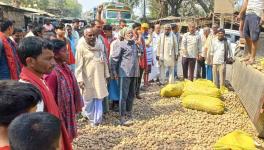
163, 123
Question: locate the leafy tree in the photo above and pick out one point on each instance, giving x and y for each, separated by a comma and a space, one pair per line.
163, 8
131, 3
74, 8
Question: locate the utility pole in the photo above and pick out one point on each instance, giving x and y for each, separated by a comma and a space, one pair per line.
144, 9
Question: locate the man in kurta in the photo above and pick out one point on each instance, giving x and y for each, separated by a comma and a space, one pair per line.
154, 75
91, 73
207, 47
167, 53
9, 63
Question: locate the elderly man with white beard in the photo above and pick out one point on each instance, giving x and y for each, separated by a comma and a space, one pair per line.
167, 53
125, 68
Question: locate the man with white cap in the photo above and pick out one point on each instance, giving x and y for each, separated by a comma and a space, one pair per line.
167, 53
125, 69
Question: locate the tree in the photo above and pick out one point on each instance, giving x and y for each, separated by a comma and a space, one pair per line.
207, 5
174, 6
155, 8
74, 8
181, 7
131, 3
43, 4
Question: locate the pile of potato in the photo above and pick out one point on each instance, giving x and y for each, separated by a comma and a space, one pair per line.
259, 64
162, 123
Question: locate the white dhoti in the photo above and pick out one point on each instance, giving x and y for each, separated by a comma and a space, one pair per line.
93, 110
155, 69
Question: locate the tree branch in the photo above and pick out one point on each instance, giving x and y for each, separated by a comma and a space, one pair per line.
204, 6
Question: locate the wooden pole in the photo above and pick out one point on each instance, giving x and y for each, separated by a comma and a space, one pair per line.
213, 19
222, 20
232, 23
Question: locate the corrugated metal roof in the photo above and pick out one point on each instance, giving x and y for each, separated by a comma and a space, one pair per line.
39, 12
32, 10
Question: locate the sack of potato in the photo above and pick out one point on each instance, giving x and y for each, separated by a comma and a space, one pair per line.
204, 103
223, 90
236, 140
172, 90
204, 82
201, 89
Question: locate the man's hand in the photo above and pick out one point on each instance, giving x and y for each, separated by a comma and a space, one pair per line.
81, 85
116, 76
184, 52
100, 8
199, 57
108, 79
176, 57
147, 45
240, 16
262, 20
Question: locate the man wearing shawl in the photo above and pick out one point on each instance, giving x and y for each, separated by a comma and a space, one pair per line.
9, 63
38, 59
167, 53
64, 87
91, 73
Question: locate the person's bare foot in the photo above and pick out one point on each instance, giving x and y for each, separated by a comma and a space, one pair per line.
251, 61
247, 58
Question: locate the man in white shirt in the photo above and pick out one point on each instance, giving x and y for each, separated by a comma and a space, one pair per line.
254, 10
154, 75
191, 51
219, 53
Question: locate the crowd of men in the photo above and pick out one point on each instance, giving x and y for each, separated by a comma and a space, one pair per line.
73, 74
50, 74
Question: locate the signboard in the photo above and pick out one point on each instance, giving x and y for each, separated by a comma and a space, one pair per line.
224, 6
